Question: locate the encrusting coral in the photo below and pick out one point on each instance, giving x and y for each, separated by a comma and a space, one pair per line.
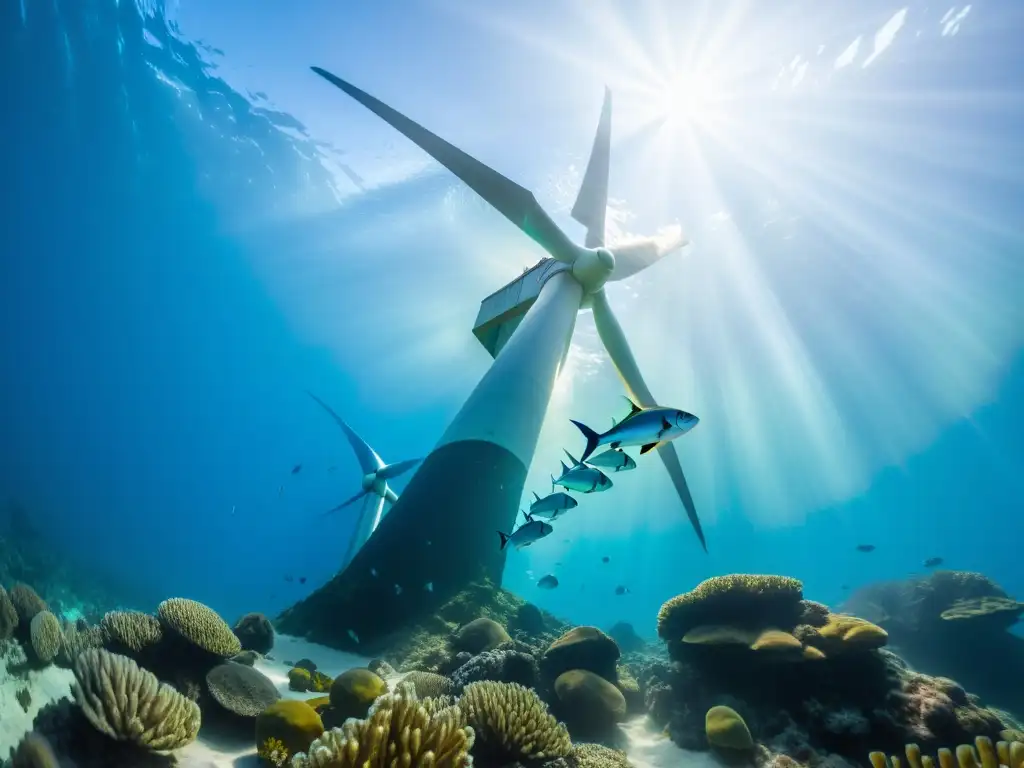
512, 722
127, 703
397, 731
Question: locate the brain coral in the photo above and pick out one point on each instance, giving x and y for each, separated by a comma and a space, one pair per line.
26, 602
512, 723
127, 703
200, 625
133, 630
397, 731
46, 636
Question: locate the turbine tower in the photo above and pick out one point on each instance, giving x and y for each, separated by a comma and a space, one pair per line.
440, 536
375, 489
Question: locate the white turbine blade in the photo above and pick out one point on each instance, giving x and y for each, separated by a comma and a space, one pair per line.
391, 471
636, 256
389, 495
365, 523
614, 341
368, 459
592, 201
345, 503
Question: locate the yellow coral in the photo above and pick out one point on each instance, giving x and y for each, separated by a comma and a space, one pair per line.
45, 635
300, 679
775, 640
294, 723
725, 729
988, 755
273, 751
511, 720
848, 633
132, 629
398, 731
715, 634
731, 593
200, 625
354, 690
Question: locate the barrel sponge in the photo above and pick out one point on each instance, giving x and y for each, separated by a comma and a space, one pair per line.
511, 721
128, 703
8, 615
735, 598
133, 630
45, 635
27, 602
200, 625
397, 731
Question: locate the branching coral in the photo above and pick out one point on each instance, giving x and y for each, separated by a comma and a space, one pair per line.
988, 755
127, 703
512, 721
132, 630
397, 731
200, 625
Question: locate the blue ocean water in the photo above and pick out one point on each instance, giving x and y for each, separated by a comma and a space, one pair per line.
197, 230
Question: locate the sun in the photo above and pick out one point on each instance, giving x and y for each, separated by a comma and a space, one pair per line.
688, 97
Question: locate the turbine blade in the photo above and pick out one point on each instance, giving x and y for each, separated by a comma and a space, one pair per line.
614, 341
391, 471
368, 459
345, 503
364, 527
389, 495
636, 256
592, 201
514, 202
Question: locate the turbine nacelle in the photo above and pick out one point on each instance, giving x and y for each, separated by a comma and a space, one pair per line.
372, 483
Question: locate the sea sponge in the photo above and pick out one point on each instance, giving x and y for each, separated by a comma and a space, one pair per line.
843, 633
725, 729
27, 603
354, 690
286, 728
255, 632
582, 648
46, 636
512, 723
743, 600
8, 615
34, 751
241, 689
398, 731
132, 630
200, 625
589, 702
127, 703
480, 635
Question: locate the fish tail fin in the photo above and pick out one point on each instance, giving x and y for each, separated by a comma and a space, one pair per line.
504, 539
591, 436
571, 458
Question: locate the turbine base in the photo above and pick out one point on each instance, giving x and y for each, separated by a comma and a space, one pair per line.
442, 531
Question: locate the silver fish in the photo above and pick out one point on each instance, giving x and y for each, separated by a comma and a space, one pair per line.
582, 478
614, 459
548, 582
643, 426
527, 533
553, 505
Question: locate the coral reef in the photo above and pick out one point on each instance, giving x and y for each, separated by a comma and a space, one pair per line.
286, 728
983, 754
46, 636
512, 723
133, 631
200, 625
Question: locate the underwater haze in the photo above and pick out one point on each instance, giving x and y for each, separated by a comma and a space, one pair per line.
197, 230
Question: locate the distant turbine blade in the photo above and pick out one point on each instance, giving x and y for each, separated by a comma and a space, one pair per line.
634, 257
368, 459
366, 523
345, 503
592, 201
614, 341
514, 202
391, 471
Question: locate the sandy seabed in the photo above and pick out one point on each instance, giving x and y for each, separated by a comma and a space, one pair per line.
646, 748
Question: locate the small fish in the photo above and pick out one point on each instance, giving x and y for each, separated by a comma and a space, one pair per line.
559, 563
552, 506
429, 586
845, 586
280, 490
582, 478
302, 579
527, 533
398, 590
427, 542
331, 469
548, 582
296, 469
373, 572
606, 559
614, 459
288, 578
931, 562
353, 635
647, 427
621, 590
233, 510
566, 541
865, 547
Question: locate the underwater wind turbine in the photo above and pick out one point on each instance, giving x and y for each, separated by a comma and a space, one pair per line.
375, 491
471, 484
